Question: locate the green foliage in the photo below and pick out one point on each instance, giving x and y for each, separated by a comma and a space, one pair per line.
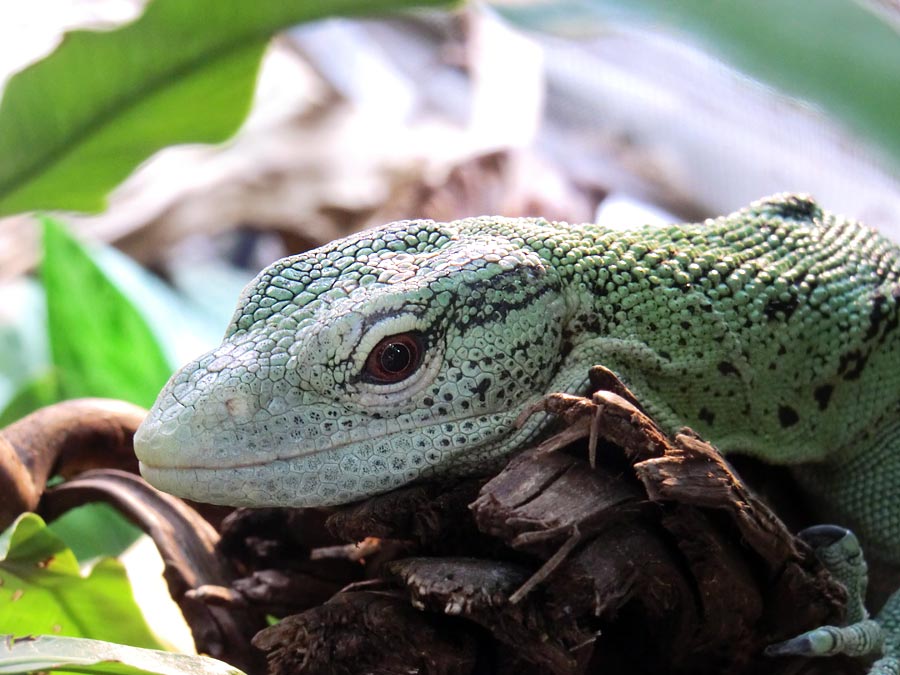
834, 53
100, 344
75, 124
91, 656
42, 590
111, 533
34, 394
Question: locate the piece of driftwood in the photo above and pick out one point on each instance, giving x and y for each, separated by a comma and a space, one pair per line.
369, 632
63, 439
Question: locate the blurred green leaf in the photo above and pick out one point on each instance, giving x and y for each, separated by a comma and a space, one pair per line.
34, 394
76, 123
101, 346
111, 532
92, 656
24, 348
42, 590
834, 53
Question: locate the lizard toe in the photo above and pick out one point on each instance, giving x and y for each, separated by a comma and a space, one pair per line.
864, 638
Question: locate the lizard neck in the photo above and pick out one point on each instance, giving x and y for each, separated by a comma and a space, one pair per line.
606, 275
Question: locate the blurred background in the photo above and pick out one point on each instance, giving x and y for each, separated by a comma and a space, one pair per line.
585, 110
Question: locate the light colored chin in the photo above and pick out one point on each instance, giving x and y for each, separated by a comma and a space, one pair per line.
333, 476
276, 484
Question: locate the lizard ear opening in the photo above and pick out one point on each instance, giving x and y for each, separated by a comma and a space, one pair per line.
394, 358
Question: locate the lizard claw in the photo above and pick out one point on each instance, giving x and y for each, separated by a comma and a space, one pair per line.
858, 639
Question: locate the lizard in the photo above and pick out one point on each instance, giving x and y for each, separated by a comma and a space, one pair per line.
407, 351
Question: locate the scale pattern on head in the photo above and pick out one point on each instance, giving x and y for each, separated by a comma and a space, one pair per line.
359, 366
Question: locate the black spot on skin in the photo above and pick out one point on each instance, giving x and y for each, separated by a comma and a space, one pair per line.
822, 394
795, 207
788, 307
879, 317
782, 350
876, 316
787, 416
852, 364
482, 389
727, 368
706, 415
665, 355
428, 401
890, 327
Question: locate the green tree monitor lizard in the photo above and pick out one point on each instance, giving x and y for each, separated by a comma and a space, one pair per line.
408, 351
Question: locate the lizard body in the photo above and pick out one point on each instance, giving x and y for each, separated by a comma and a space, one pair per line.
409, 350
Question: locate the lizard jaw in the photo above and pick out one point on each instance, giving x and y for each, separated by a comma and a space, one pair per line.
313, 479
187, 466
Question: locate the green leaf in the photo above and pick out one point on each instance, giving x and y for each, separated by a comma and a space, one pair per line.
42, 590
34, 394
111, 532
75, 124
92, 656
101, 346
24, 348
834, 53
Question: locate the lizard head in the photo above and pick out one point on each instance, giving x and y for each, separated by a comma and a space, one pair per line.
397, 353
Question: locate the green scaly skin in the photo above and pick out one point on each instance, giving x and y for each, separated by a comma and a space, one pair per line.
771, 331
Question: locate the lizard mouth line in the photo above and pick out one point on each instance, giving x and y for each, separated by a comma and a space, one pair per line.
221, 466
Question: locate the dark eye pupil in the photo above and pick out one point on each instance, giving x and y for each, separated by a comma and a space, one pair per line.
396, 357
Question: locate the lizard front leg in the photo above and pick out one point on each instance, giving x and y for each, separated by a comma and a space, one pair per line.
839, 551
861, 489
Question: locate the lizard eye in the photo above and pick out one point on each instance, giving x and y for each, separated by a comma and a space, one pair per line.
395, 358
